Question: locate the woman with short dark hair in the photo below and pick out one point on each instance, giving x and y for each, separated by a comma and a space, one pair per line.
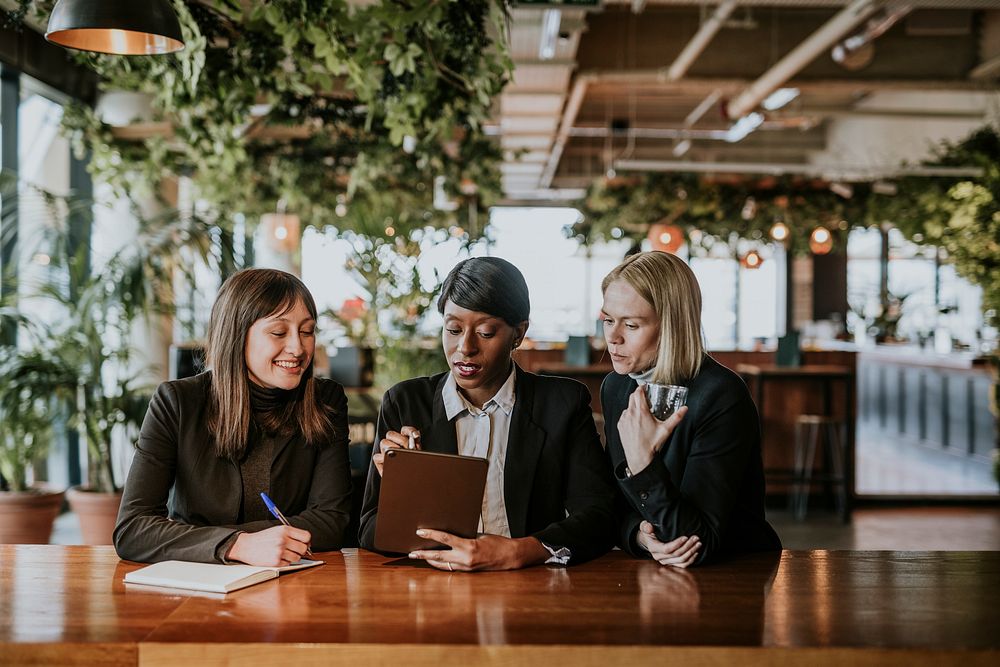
549, 497
257, 421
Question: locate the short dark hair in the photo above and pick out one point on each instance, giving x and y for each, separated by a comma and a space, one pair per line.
487, 285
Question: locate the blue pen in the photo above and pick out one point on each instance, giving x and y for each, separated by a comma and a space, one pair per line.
273, 509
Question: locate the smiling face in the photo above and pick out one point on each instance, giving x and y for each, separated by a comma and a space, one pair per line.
631, 328
279, 348
478, 348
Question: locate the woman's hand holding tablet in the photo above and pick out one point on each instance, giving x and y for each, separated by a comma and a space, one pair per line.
406, 438
485, 552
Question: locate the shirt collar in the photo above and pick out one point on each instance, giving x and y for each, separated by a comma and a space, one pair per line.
643, 378
455, 403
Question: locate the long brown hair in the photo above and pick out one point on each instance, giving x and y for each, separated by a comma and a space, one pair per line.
669, 285
248, 296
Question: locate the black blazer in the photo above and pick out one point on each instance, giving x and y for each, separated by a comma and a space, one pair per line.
557, 486
181, 501
708, 479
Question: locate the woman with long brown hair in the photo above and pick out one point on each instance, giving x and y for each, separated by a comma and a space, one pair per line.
256, 421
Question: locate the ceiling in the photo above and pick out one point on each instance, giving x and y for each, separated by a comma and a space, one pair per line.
662, 85
636, 85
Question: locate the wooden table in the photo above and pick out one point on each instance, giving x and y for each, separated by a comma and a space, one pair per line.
68, 605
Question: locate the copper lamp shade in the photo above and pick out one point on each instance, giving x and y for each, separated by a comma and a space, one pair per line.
119, 27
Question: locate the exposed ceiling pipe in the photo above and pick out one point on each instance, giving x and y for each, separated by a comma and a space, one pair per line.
843, 22
649, 133
989, 48
899, 114
874, 28
987, 70
703, 86
700, 40
838, 172
565, 125
710, 101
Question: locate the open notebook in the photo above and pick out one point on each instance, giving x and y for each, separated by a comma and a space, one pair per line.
208, 576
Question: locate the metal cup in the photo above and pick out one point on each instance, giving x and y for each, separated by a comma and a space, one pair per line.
665, 399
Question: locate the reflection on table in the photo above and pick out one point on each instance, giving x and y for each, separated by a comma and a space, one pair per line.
68, 605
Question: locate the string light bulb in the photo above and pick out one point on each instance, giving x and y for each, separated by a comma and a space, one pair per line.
821, 241
666, 238
751, 260
779, 231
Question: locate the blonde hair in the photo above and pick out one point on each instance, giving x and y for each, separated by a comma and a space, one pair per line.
669, 285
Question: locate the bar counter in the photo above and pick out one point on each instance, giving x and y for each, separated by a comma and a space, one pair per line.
928, 400
68, 605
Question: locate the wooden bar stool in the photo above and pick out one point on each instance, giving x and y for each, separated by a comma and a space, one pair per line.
814, 432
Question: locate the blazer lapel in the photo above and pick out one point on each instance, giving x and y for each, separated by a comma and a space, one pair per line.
626, 386
524, 445
439, 436
280, 444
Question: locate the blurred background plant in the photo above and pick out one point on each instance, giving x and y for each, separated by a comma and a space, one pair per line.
75, 320
33, 384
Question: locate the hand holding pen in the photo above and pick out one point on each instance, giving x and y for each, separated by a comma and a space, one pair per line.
273, 509
406, 438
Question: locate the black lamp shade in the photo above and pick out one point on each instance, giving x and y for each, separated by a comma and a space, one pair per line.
120, 27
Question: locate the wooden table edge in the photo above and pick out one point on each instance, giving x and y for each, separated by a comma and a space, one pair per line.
153, 654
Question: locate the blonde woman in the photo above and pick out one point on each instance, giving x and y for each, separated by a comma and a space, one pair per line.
692, 486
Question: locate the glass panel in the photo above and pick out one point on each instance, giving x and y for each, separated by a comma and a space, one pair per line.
564, 280
717, 278
44, 163
864, 247
758, 302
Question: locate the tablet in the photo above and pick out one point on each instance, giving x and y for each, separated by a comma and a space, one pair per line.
428, 490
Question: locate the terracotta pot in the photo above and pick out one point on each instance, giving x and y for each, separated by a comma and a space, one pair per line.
97, 513
26, 517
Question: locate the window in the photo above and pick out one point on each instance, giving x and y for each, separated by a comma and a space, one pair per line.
564, 277
933, 295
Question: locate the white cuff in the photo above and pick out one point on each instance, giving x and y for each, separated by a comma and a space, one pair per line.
559, 556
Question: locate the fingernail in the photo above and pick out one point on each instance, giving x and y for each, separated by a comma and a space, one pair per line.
412, 554
422, 533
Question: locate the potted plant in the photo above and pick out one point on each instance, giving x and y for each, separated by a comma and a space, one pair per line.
28, 400
102, 308
91, 336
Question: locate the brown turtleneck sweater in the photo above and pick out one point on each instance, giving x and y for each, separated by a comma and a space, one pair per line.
255, 466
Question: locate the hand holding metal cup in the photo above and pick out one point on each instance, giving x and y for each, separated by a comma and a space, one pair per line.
665, 399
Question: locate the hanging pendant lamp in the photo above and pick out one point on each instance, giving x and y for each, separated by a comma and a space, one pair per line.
119, 27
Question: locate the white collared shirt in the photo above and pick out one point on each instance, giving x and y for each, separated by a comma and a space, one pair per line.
484, 433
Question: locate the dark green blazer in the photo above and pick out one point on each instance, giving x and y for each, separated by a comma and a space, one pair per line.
182, 501
557, 486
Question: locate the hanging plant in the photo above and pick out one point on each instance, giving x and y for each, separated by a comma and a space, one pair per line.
716, 210
959, 215
327, 92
